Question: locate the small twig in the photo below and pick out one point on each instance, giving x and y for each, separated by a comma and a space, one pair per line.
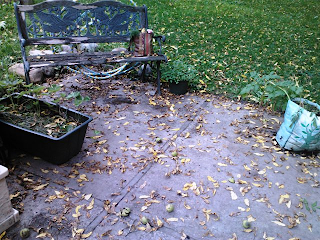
132, 224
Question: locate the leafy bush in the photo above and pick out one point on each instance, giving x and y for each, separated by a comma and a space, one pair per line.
270, 90
177, 71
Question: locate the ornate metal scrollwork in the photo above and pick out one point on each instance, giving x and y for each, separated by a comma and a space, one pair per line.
61, 21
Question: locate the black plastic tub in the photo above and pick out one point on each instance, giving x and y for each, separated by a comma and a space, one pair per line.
55, 150
178, 88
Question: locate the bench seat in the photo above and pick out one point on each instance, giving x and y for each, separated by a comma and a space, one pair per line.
86, 58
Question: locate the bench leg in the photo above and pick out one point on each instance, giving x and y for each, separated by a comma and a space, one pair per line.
158, 78
143, 76
26, 65
27, 76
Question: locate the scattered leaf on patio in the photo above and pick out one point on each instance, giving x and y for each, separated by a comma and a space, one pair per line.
246, 167
40, 187
186, 206
144, 196
283, 198
86, 235
279, 223
259, 154
261, 172
222, 165
233, 195
91, 204
87, 197
159, 222
172, 219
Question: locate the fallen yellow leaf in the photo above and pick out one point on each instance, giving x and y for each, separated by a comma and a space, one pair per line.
144, 196
159, 222
91, 204
279, 223
262, 171
233, 195
172, 219
222, 165
246, 167
186, 206
152, 102
40, 187
259, 154
102, 142
86, 235
211, 179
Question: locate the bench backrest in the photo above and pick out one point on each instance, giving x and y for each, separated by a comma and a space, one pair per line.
64, 22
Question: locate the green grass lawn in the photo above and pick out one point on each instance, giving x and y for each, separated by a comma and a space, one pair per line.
226, 40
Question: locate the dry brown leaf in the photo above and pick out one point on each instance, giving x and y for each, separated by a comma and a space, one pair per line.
246, 167
143, 208
86, 235
233, 195
44, 171
144, 196
222, 165
40, 187
91, 204
42, 235
279, 223
259, 154
263, 171
186, 206
283, 198
172, 219
87, 197
159, 222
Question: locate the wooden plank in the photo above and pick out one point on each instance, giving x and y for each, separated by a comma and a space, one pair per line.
87, 59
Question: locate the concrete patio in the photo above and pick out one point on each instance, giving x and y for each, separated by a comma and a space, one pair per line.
228, 169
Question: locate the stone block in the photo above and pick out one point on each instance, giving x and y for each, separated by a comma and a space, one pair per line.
8, 215
36, 74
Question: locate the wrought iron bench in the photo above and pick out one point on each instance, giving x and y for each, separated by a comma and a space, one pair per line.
68, 22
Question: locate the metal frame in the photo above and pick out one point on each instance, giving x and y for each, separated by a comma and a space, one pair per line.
68, 22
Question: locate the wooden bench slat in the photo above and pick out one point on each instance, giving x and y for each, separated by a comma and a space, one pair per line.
88, 59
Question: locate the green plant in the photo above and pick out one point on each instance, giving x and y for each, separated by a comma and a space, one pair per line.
134, 34
78, 99
177, 71
8, 86
270, 89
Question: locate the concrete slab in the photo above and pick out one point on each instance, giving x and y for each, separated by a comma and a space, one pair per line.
228, 169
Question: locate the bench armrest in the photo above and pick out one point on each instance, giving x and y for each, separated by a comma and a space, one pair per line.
160, 39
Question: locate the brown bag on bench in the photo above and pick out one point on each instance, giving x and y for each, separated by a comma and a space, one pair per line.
143, 43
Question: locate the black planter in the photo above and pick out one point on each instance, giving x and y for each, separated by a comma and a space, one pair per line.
55, 150
178, 88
